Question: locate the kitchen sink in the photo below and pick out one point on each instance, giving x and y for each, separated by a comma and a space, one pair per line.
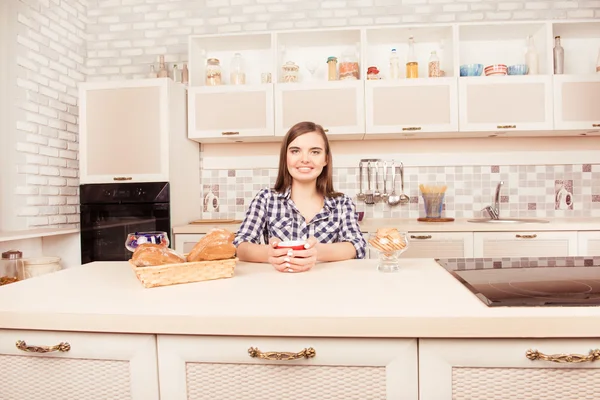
509, 221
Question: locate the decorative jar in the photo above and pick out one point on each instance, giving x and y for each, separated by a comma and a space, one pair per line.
290, 72
213, 72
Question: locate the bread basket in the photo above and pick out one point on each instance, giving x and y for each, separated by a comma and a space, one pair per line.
187, 272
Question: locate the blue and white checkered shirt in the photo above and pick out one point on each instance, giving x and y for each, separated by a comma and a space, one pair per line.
273, 214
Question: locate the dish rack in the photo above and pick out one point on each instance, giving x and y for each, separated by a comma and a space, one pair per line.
187, 272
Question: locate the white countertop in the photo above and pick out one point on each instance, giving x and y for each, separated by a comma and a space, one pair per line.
6, 236
459, 225
344, 299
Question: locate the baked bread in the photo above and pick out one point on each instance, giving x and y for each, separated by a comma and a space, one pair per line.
149, 254
217, 244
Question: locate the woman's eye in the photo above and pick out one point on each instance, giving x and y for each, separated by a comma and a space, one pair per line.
316, 152
294, 151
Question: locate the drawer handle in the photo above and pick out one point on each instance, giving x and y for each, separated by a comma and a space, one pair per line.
420, 237
325, 130
122, 178
281, 355
506, 126
412, 128
526, 236
596, 125
229, 133
62, 347
594, 355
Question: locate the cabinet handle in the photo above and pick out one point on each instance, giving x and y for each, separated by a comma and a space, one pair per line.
412, 128
62, 347
596, 125
593, 355
506, 126
420, 237
254, 352
526, 236
122, 178
229, 133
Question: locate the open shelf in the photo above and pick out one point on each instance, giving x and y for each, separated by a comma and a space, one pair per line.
581, 42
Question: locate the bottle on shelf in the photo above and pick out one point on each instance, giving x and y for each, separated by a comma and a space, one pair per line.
394, 65
152, 73
237, 76
185, 75
531, 57
412, 66
162, 68
559, 57
176, 73
434, 65
598, 63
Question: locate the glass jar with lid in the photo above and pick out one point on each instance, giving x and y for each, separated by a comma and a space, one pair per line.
11, 262
348, 68
289, 72
213, 72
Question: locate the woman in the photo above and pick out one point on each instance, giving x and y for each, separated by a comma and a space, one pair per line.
302, 205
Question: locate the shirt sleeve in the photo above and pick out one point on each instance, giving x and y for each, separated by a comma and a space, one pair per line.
350, 230
254, 224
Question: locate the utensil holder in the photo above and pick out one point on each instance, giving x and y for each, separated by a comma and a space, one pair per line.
433, 203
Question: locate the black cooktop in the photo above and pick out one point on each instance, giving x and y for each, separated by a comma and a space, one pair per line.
529, 281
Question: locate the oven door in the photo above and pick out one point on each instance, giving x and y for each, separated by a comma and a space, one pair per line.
104, 228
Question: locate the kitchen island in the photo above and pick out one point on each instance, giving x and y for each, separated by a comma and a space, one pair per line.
407, 335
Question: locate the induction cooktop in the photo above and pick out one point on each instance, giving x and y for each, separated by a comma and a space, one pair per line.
529, 281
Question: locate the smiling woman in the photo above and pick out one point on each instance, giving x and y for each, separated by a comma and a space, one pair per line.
303, 205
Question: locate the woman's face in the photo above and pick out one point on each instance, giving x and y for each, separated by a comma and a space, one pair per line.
306, 157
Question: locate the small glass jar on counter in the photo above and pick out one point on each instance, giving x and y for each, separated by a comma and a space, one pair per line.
10, 264
213, 72
349, 66
289, 72
332, 68
372, 73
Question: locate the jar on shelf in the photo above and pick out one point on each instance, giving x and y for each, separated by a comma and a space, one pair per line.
332, 68
237, 76
289, 72
433, 66
349, 66
213, 72
10, 264
372, 73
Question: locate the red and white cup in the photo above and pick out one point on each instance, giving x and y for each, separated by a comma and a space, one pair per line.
292, 244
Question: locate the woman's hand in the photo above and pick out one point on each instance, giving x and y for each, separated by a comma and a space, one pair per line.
278, 258
303, 260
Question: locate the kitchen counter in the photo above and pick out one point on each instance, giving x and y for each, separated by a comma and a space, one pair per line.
459, 225
342, 299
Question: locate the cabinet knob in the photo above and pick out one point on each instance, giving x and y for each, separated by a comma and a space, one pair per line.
593, 355
596, 125
526, 236
62, 347
325, 130
122, 178
254, 352
229, 133
506, 126
422, 237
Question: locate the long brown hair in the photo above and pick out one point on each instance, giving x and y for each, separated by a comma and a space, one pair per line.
325, 179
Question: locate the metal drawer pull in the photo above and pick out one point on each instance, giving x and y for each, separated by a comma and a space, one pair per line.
506, 126
325, 130
412, 128
281, 355
122, 178
596, 125
527, 236
62, 347
420, 237
229, 133
593, 355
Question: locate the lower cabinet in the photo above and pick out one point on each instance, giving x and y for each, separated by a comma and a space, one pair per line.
37, 365
589, 243
245, 368
439, 245
525, 244
500, 369
185, 242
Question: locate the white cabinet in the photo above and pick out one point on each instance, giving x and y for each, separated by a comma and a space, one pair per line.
588, 243
439, 245
412, 107
493, 369
505, 103
337, 106
222, 368
525, 244
67, 365
576, 102
236, 113
185, 242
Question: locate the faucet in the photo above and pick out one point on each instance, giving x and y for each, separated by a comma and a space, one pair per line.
494, 210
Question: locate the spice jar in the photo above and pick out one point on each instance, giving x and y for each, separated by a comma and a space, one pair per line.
11, 262
332, 68
213, 72
372, 73
290, 72
349, 66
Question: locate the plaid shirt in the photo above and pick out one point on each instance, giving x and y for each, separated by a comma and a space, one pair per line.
273, 214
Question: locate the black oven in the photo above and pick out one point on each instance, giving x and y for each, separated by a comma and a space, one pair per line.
110, 211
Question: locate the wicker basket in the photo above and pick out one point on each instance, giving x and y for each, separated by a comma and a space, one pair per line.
174, 274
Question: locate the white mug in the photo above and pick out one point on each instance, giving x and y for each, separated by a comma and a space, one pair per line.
211, 201
564, 198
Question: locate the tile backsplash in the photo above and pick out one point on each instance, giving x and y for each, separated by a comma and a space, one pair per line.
528, 191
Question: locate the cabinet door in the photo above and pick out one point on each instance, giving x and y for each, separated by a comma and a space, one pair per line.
505, 103
337, 106
494, 369
439, 245
219, 368
525, 244
123, 131
231, 113
411, 106
96, 366
589, 243
184, 242
576, 100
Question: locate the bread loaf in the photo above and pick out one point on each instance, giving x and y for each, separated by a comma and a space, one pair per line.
149, 254
217, 244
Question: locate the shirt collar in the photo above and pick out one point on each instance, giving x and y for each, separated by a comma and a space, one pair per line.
329, 204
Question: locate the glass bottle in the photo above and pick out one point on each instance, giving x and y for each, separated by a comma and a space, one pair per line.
176, 73
434, 65
332, 68
236, 74
394, 65
152, 73
213, 72
162, 68
559, 57
412, 66
531, 57
185, 75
